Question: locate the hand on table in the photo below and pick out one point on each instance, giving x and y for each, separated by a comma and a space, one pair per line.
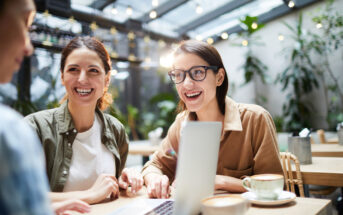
131, 177
105, 185
62, 208
157, 185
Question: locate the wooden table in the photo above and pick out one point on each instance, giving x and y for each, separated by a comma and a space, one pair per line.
300, 206
327, 150
327, 171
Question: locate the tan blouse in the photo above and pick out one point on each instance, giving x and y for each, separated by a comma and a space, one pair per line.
248, 144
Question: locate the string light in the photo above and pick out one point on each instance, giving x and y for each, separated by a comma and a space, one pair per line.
114, 54
254, 25
319, 25
224, 35
161, 43
154, 3
114, 11
199, 9
113, 30
281, 37
245, 42
93, 26
291, 4
129, 11
153, 14
71, 20
198, 37
146, 39
210, 40
131, 35
131, 57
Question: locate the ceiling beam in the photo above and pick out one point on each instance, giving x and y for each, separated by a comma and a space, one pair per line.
232, 5
271, 15
101, 4
162, 9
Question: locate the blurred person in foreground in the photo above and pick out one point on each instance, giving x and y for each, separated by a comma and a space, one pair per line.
248, 143
85, 149
23, 183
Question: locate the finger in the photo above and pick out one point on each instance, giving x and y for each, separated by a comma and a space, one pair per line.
164, 187
158, 189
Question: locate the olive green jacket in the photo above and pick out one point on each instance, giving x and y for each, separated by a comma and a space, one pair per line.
56, 130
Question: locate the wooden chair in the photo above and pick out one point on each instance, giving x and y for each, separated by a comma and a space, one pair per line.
286, 158
322, 139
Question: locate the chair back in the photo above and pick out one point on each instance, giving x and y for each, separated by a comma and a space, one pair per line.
321, 136
286, 160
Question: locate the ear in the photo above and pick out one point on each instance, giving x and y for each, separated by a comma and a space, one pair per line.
220, 77
62, 77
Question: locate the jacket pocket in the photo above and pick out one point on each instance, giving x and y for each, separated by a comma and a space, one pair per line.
237, 173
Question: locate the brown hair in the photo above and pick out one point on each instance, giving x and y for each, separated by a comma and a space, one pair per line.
95, 45
209, 54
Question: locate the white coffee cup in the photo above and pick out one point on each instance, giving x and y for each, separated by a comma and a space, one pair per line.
232, 204
265, 186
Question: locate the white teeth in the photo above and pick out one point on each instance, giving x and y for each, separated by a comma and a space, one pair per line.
83, 91
193, 94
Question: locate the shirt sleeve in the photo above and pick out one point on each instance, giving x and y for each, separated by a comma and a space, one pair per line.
266, 151
23, 183
164, 160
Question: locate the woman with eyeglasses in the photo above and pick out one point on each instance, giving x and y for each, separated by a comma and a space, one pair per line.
248, 143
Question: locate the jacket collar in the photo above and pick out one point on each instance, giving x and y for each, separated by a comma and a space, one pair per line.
65, 122
232, 118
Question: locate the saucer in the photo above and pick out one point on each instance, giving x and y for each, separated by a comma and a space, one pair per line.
283, 198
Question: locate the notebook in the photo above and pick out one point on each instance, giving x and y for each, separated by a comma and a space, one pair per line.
195, 173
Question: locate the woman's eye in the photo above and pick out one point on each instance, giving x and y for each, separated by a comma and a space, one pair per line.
94, 70
72, 69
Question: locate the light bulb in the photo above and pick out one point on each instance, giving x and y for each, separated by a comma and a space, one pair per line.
291, 4
153, 14
129, 11
224, 35
210, 40
199, 9
245, 42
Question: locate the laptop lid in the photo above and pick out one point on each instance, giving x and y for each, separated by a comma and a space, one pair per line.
196, 165
195, 173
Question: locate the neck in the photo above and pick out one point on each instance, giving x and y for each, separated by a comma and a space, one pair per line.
83, 117
210, 113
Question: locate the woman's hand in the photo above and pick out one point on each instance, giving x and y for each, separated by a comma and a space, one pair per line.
131, 177
228, 183
104, 186
62, 208
157, 185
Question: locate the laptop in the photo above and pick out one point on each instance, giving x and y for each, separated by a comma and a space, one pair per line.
195, 173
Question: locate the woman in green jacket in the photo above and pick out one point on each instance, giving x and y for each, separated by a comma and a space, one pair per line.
85, 149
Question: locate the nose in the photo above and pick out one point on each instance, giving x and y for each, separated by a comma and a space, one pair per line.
82, 77
188, 81
28, 49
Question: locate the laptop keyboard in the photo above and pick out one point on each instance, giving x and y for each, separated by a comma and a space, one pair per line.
166, 208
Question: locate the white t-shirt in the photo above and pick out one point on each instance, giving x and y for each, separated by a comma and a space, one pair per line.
90, 159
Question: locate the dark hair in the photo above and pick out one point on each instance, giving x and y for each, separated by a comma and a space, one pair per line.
95, 45
209, 54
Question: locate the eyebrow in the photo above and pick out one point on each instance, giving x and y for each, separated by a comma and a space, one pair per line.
69, 65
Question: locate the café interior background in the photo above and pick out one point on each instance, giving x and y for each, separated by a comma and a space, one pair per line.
284, 55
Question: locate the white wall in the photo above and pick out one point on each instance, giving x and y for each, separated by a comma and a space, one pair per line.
271, 54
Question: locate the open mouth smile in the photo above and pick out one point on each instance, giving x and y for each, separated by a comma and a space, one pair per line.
83, 92
193, 95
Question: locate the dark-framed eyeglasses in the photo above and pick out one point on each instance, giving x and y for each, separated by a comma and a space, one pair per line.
197, 73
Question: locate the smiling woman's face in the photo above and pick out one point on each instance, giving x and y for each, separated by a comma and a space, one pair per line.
15, 19
197, 95
84, 77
